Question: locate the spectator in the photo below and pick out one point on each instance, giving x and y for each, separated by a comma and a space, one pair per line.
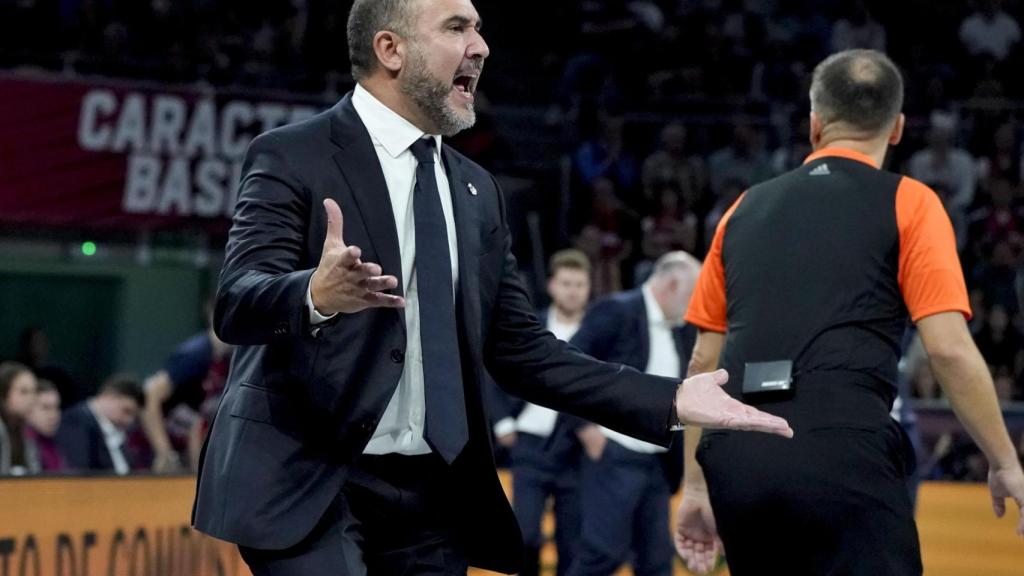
946, 167
43, 422
606, 156
92, 433
671, 164
1000, 342
743, 159
34, 352
18, 454
1003, 158
606, 238
732, 188
182, 398
989, 31
998, 277
671, 226
792, 155
858, 30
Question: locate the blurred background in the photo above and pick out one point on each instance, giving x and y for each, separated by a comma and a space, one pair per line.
624, 128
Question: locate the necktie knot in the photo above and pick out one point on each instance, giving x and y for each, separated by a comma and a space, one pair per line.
423, 150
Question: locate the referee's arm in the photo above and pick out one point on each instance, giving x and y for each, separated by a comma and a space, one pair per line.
933, 288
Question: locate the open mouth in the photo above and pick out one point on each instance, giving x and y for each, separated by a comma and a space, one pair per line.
465, 85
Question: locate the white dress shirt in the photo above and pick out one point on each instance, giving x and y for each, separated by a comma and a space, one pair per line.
401, 427
534, 419
114, 439
662, 361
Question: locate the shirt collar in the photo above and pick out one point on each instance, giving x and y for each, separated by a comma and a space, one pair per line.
110, 432
386, 127
655, 317
842, 153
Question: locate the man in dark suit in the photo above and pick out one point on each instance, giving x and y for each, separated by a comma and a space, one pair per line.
92, 433
546, 465
627, 483
351, 438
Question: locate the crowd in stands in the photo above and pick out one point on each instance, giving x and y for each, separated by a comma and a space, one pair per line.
666, 111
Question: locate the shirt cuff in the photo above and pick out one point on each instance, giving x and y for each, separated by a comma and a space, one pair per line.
505, 426
314, 316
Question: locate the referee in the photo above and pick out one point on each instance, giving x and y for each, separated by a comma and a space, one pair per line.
803, 298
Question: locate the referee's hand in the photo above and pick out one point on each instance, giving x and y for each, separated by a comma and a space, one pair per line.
700, 401
1007, 483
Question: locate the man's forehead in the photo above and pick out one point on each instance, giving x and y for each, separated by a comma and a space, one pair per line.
442, 10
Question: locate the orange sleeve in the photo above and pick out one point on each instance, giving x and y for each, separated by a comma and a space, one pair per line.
930, 276
707, 309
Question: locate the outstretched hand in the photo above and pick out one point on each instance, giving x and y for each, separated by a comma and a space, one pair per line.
344, 283
700, 401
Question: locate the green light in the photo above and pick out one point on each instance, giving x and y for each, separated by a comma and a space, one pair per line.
89, 248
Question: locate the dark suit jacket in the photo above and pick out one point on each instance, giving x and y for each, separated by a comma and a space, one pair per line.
615, 330
560, 451
301, 404
81, 440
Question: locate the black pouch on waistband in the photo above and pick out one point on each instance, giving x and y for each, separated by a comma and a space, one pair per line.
764, 378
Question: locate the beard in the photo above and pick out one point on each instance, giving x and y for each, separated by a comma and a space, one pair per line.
432, 97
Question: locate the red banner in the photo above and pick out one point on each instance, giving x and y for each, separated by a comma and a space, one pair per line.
87, 154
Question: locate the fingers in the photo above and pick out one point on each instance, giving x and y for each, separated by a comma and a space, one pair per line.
381, 300
335, 223
753, 420
379, 283
998, 506
349, 257
720, 377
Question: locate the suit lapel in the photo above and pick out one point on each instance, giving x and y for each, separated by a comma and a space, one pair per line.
361, 169
643, 332
467, 230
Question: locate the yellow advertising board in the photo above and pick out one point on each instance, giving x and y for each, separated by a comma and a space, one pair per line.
139, 526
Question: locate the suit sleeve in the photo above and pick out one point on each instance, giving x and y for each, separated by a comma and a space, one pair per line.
529, 362
261, 295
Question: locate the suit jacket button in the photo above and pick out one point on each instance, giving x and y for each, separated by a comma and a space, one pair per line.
397, 356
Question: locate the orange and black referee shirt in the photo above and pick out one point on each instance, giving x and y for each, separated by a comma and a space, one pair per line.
823, 265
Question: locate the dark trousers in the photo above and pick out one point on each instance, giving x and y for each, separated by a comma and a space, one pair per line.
392, 518
625, 515
832, 500
536, 476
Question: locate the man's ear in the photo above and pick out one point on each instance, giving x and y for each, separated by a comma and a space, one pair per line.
389, 49
817, 126
897, 131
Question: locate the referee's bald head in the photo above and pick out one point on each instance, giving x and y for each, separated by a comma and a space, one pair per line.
859, 89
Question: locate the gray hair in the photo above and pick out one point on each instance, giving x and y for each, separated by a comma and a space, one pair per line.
365, 20
675, 262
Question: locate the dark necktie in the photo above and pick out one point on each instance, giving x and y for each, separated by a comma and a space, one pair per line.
446, 429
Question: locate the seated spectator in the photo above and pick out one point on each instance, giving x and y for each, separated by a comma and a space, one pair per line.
1004, 158
1000, 343
92, 433
34, 352
18, 454
671, 163
606, 238
858, 30
942, 165
672, 226
743, 159
182, 398
989, 31
732, 188
606, 156
43, 422
998, 278
793, 155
